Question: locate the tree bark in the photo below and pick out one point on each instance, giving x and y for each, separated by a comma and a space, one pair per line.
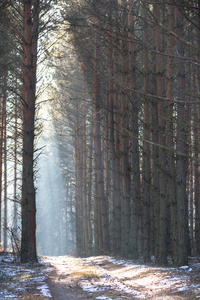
100, 192
114, 136
169, 139
182, 150
146, 166
89, 189
79, 182
1, 164
134, 126
125, 146
197, 155
5, 214
29, 60
85, 202
15, 205
155, 206
161, 256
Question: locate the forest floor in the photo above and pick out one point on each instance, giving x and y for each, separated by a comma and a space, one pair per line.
97, 278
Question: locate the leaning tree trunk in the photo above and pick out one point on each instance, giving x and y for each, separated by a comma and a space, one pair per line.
29, 61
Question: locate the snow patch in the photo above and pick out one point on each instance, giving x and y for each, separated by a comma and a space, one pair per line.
90, 288
126, 263
6, 295
183, 288
16, 279
103, 298
107, 298
7, 258
44, 289
124, 274
184, 267
107, 283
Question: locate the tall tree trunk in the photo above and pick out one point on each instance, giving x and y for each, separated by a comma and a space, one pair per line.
106, 158
155, 206
125, 165
100, 192
110, 125
197, 155
1, 164
15, 205
169, 139
114, 140
80, 210
85, 203
146, 167
5, 223
181, 147
29, 60
89, 189
135, 188
161, 256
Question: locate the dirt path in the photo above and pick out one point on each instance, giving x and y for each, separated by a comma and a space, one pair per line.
106, 278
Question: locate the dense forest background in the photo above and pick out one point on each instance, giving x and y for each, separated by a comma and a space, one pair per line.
120, 80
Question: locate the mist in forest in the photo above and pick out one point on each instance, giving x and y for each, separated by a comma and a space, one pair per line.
53, 236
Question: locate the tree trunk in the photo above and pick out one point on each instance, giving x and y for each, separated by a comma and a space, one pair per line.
197, 155
135, 188
5, 223
114, 142
89, 190
181, 148
100, 192
79, 182
146, 167
125, 165
85, 203
15, 205
169, 139
29, 60
1, 164
155, 205
161, 256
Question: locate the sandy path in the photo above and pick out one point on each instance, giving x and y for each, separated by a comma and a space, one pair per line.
64, 279
102, 278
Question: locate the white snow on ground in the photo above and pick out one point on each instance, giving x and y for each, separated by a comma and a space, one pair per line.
16, 278
130, 279
175, 279
125, 277
107, 298
107, 283
7, 258
45, 290
103, 298
126, 263
91, 288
